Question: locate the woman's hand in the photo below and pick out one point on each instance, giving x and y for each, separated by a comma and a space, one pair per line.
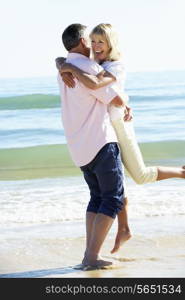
128, 114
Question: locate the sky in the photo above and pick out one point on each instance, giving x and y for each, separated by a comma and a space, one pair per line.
151, 33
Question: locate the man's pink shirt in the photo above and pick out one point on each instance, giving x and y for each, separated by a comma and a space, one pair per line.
85, 116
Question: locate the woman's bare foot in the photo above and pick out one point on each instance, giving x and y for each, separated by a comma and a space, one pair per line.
183, 171
121, 237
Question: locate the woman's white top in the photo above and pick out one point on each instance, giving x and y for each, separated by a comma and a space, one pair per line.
116, 68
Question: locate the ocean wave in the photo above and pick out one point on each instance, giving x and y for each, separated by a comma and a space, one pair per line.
55, 161
29, 102
42, 101
152, 99
30, 137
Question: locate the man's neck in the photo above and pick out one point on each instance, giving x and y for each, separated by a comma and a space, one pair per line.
78, 51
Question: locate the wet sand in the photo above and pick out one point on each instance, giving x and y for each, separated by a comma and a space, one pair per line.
54, 250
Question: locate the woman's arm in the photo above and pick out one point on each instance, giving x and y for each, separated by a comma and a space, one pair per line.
91, 81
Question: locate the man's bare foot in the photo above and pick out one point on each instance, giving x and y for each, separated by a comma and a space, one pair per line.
99, 262
84, 258
121, 237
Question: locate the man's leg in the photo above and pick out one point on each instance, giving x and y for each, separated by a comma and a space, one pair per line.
91, 212
101, 225
110, 178
90, 217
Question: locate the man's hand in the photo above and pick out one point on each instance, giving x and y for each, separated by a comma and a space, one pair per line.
59, 62
68, 79
66, 67
128, 114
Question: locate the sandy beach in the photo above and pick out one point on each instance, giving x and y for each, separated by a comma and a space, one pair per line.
43, 196
55, 250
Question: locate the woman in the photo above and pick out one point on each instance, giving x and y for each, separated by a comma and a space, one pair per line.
105, 52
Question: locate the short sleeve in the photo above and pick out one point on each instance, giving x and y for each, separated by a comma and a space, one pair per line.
87, 65
105, 94
60, 82
94, 68
117, 69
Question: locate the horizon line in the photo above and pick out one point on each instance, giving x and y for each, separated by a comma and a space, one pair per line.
137, 71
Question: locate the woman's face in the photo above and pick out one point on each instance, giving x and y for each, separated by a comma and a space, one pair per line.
100, 47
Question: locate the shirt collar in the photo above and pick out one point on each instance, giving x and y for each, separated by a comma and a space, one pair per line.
76, 55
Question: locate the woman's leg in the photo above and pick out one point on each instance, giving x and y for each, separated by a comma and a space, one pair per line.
170, 172
133, 160
123, 233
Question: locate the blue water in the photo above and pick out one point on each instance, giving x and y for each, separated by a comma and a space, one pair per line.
157, 100
30, 115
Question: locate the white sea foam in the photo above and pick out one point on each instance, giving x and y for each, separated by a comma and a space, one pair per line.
57, 200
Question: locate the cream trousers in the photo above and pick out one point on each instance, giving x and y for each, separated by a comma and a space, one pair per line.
131, 155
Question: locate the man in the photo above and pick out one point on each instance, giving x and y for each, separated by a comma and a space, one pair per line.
92, 143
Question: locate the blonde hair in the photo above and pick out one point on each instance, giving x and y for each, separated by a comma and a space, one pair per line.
107, 31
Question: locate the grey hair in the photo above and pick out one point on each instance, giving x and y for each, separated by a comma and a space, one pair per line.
72, 35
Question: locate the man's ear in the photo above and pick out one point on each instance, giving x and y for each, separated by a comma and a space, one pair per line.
83, 43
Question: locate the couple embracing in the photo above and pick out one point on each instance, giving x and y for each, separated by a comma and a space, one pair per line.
99, 131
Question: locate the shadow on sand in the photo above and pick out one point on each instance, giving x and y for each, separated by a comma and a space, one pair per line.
43, 273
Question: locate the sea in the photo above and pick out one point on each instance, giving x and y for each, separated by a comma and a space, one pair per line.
38, 178
39, 184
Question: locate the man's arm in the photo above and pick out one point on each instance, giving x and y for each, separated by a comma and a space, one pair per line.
98, 83
67, 77
59, 62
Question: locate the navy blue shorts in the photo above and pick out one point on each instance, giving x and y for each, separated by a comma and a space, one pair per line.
104, 176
